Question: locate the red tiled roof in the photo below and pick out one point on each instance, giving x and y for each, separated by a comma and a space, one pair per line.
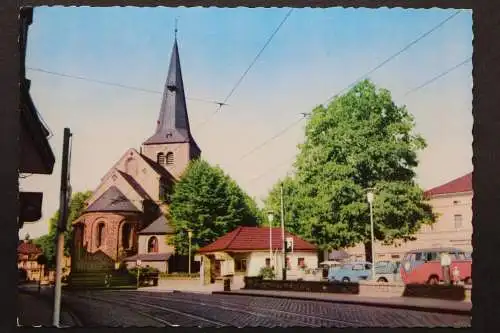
28, 248
458, 185
255, 238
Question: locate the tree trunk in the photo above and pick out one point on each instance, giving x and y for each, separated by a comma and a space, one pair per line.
368, 251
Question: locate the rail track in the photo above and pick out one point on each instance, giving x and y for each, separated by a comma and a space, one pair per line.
293, 318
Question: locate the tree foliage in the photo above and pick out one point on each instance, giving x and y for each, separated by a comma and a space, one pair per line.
209, 203
361, 140
48, 242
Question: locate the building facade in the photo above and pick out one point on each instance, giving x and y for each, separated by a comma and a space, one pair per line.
246, 250
452, 202
133, 196
37, 156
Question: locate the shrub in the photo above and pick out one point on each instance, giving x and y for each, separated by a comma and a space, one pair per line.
267, 273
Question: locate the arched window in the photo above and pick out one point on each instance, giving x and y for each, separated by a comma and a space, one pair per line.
127, 236
170, 158
100, 234
160, 158
153, 245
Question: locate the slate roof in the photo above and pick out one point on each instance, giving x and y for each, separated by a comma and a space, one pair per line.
112, 200
255, 238
149, 257
160, 226
28, 248
173, 121
458, 185
158, 168
135, 185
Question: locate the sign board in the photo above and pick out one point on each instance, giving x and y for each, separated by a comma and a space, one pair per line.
289, 244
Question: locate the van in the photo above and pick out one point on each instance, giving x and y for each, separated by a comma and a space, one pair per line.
423, 266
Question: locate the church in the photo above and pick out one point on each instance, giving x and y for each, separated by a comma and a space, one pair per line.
124, 219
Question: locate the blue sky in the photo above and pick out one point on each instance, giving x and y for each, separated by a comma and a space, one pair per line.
315, 54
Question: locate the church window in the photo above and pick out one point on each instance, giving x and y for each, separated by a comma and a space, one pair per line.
127, 236
100, 234
160, 158
153, 245
170, 158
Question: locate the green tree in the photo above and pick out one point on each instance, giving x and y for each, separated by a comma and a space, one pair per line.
48, 242
361, 140
210, 203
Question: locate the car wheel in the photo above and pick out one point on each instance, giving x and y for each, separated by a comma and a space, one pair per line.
382, 280
346, 280
433, 280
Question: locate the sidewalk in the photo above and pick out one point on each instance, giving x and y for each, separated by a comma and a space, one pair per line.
409, 303
190, 286
36, 310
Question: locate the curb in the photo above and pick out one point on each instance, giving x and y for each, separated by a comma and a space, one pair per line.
48, 299
355, 302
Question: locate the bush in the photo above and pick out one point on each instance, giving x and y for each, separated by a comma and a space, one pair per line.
267, 273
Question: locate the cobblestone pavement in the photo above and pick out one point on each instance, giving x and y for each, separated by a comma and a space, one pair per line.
139, 308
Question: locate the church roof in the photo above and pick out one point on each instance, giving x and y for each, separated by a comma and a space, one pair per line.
160, 226
135, 185
158, 168
173, 121
112, 200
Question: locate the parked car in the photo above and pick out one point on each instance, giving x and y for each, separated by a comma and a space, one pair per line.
385, 271
329, 266
353, 272
423, 266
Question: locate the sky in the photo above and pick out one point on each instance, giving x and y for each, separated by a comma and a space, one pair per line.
314, 55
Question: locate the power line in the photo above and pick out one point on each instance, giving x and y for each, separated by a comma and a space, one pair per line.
272, 169
404, 49
251, 65
438, 76
286, 129
113, 84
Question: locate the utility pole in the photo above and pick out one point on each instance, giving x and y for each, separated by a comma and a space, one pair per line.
283, 232
61, 225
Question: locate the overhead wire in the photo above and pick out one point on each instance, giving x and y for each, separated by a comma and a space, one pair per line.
437, 77
392, 57
238, 82
113, 84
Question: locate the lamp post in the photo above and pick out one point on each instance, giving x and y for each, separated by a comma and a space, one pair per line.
283, 232
138, 264
370, 197
190, 235
270, 217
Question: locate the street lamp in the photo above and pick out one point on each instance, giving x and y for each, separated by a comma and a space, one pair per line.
370, 197
138, 264
270, 217
190, 235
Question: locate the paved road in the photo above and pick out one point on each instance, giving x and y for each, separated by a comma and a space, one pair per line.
139, 308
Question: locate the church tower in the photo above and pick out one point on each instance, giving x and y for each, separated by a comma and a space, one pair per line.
172, 145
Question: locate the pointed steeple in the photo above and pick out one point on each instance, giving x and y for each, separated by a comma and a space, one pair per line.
173, 121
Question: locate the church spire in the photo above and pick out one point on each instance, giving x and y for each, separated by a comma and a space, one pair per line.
173, 122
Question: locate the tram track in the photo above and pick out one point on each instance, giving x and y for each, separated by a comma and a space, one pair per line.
260, 311
161, 309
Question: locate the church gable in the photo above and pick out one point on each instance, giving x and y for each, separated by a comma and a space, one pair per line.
118, 180
112, 200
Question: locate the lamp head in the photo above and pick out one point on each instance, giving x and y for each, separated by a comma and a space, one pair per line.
370, 197
270, 216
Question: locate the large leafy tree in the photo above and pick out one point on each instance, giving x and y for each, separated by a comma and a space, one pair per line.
48, 242
209, 203
362, 140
